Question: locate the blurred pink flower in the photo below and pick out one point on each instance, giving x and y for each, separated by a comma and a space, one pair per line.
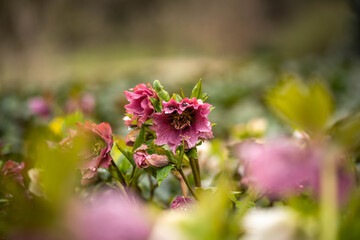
14, 170
140, 105
182, 203
186, 120
39, 106
108, 216
283, 168
98, 154
84, 103
144, 160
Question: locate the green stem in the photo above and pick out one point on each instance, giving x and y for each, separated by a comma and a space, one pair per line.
195, 171
198, 170
121, 177
328, 200
187, 183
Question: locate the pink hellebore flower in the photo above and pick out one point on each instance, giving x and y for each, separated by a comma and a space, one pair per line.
283, 168
182, 203
186, 120
140, 105
13, 170
109, 216
98, 154
38, 106
144, 160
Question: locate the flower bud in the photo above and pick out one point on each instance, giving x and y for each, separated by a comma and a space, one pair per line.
156, 160
144, 160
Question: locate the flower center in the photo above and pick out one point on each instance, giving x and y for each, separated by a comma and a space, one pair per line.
97, 148
181, 121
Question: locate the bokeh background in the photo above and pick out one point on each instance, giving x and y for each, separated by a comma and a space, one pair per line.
240, 48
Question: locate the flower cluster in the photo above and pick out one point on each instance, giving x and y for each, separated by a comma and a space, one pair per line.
178, 120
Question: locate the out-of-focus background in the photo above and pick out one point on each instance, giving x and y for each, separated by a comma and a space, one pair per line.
67, 49
49, 42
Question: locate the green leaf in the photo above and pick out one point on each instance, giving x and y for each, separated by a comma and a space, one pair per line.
140, 139
163, 95
197, 90
70, 120
192, 153
151, 170
305, 107
346, 132
163, 173
155, 102
182, 93
127, 155
176, 97
115, 153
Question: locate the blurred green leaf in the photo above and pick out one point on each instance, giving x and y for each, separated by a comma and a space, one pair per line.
346, 132
70, 120
163, 173
305, 107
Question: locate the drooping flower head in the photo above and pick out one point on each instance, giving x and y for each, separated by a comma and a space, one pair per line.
186, 120
109, 216
97, 154
144, 160
140, 105
14, 170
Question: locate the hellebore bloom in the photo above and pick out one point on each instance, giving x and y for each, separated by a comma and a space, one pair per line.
283, 168
279, 168
182, 203
13, 170
97, 155
186, 120
109, 216
140, 105
144, 160
38, 106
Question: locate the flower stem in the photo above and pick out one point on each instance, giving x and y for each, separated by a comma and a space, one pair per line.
328, 200
198, 170
187, 183
121, 177
194, 168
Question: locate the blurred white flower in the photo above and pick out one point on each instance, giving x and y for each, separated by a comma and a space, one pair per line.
280, 223
168, 226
